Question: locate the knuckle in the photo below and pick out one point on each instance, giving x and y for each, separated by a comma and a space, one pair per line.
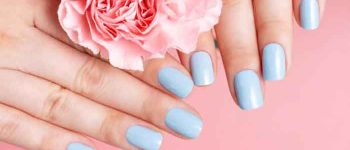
155, 106
12, 48
231, 3
50, 141
5, 37
239, 49
150, 106
110, 127
6, 40
90, 77
8, 128
277, 30
279, 25
56, 104
242, 58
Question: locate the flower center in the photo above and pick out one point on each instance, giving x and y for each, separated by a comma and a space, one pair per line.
113, 17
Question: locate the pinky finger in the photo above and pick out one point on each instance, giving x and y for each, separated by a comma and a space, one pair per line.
25, 131
308, 13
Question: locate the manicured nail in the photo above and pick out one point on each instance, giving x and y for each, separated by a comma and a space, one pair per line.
248, 90
184, 122
274, 62
175, 82
144, 138
309, 14
78, 146
202, 69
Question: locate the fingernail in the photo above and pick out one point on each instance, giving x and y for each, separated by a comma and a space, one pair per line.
274, 62
144, 138
78, 146
202, 69
175, 82
184, 122
309, 14
248, 90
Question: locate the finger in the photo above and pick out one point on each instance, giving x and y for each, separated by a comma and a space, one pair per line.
237, 43
274, 23
23, 130
308, 13
167, 74
61, 107
102, 83
45, 19
203, 62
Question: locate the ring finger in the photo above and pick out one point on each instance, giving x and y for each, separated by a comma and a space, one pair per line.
274, 20
238, 46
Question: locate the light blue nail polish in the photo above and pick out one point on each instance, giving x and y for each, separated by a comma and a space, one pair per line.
309, 14
175, 81
202, 69
274, 62
184, 122
78, 146
144, 138
248, 90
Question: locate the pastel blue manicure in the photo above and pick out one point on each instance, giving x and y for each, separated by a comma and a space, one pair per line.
202, 69
144, 138
274, 62
309, 14
175, 81
78, 146
248, 90
184, 122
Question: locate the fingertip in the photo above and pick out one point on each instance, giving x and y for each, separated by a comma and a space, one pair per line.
202, 63
274, 62
202, 68
309, 13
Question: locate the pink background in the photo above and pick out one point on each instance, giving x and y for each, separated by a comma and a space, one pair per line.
309, 110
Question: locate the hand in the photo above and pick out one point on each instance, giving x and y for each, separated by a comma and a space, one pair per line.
52, 96
255, 40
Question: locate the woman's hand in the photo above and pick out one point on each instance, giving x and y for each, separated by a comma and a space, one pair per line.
255, 39
52, 96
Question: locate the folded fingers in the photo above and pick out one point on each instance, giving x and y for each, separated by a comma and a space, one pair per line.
106, 85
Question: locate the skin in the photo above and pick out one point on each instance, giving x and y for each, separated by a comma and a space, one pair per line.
243, 32
46, 108
45, 101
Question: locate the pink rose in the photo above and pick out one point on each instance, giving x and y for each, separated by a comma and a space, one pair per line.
129, 31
